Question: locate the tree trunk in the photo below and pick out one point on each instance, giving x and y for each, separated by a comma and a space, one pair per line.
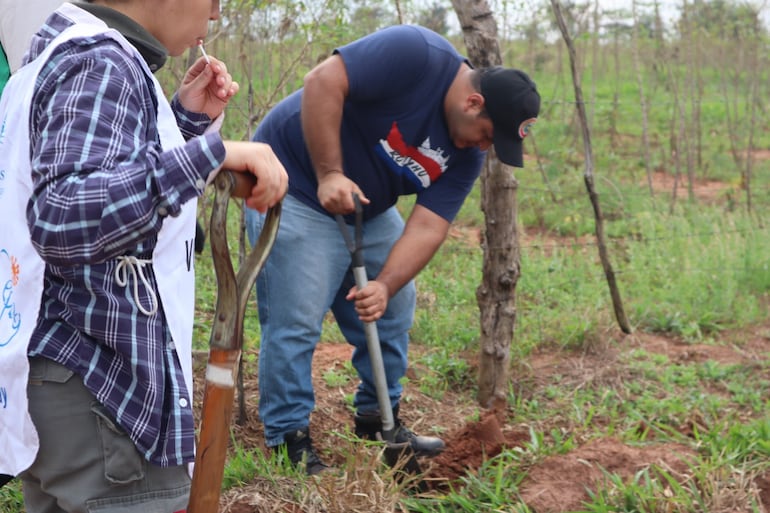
642, 99
479, 32
588, 175
496, 294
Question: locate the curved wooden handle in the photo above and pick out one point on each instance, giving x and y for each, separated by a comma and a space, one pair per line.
226, 339
211, 451
243, 183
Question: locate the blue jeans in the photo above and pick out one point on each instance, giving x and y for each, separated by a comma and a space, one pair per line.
306, 275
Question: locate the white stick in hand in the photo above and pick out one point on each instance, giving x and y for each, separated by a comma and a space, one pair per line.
203, 51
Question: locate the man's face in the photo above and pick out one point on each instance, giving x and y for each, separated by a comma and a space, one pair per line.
469, 126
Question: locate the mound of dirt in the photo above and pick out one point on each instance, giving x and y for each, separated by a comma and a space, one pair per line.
557, 484
469, 447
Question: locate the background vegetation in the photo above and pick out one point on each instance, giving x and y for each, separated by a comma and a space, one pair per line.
676, 91
671, 93
676, 94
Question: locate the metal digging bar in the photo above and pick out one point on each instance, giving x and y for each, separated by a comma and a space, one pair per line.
226, 339
396, 455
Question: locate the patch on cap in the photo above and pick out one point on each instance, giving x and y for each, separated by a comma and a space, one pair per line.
524, 127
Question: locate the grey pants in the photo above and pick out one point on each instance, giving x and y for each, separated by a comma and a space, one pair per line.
86, 463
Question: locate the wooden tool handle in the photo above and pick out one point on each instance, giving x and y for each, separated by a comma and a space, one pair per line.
244, 182
226, 340
216, 415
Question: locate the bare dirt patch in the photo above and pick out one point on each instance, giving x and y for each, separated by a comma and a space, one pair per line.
709, 191
560, 483
554, 485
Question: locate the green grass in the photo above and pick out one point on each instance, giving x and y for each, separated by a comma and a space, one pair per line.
690, 268
695, 269
693, 274
11, 500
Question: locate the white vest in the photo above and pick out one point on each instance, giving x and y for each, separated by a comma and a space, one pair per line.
21, 269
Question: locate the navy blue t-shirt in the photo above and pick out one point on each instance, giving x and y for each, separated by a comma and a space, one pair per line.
395, 140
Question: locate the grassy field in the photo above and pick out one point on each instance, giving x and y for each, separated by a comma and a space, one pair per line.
691, 263
691, 267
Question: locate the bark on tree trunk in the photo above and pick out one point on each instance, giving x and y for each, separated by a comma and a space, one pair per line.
642, 99
479, 32
588, 175
496, 294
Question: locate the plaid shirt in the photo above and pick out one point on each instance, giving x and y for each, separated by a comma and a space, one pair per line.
103, 186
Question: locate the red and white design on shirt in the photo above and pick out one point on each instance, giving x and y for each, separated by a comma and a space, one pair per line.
426, 164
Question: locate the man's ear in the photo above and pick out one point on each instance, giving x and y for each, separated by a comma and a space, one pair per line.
474, 103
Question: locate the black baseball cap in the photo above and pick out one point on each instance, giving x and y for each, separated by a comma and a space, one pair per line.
513, 103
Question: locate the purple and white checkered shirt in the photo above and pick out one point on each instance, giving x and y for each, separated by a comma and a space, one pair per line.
102, 187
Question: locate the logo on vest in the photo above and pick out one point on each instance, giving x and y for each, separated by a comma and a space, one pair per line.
2, 129
189, 246
10, 318
2, 141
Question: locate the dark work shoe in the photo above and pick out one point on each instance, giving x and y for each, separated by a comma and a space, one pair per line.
300, 450
369, 424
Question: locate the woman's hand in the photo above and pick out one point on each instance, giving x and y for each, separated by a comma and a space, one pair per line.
259, 160
207, 87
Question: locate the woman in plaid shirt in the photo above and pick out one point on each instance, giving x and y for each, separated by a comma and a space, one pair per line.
115, 173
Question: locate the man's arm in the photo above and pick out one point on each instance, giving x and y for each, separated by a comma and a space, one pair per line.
423, 234
325, 89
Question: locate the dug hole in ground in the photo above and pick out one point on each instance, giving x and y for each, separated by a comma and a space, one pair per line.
556, 484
